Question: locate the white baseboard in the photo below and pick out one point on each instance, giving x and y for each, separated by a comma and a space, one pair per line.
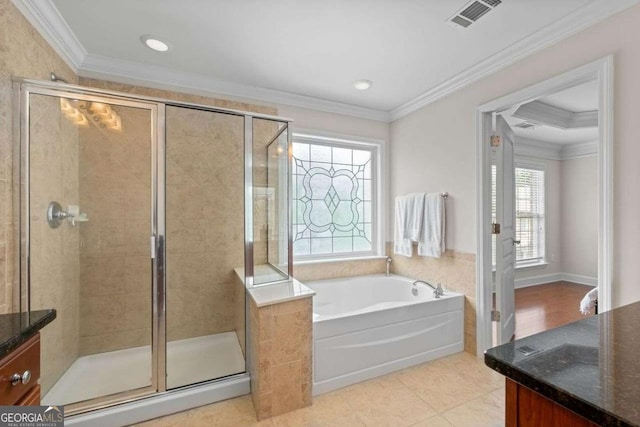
525, 282
582, 280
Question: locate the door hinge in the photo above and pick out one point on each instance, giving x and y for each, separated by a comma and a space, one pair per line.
495, 141
495, 228
495, 316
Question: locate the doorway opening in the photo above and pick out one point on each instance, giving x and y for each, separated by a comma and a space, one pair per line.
544, 203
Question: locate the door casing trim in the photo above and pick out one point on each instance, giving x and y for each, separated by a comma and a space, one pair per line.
602, 70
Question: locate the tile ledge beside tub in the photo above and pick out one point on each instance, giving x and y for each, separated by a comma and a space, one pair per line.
278, 292
281, 346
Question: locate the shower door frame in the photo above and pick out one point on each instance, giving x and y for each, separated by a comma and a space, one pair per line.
157, 108
57, 90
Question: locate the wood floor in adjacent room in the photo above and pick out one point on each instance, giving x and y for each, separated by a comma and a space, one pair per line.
543, 307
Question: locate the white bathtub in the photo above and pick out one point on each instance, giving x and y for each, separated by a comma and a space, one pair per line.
367, 326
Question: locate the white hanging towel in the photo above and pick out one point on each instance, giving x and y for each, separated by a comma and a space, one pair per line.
431, 242
589, 301
409, 218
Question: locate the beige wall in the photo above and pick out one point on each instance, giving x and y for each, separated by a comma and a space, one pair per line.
580, 216
23, 53
434, 148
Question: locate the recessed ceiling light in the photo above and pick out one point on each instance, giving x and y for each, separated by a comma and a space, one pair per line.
153, 43
362, 84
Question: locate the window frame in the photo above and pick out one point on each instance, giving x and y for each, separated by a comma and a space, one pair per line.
376, 147
525, 164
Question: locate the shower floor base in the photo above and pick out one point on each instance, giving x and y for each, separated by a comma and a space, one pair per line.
189, 361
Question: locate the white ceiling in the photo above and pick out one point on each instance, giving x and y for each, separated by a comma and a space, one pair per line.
580, 98
576, 99
310, 47
307, 53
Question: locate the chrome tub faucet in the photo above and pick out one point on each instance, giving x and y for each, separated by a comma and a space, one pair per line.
437, 290
389, 261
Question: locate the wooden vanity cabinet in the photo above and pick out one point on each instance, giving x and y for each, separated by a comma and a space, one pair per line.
526, 408
19, 374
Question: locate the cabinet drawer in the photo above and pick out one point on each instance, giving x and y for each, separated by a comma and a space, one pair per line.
24, 358
32, 398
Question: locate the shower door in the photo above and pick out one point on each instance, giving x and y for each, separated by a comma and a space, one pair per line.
88, 212
137, 225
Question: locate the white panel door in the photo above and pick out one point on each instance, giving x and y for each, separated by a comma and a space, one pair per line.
505, 240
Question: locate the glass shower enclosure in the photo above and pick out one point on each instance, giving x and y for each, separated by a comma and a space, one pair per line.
142, 222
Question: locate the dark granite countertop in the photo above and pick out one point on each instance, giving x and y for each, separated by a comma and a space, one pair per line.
16, 328
591, 366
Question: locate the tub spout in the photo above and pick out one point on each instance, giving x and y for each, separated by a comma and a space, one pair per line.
389, 260
437, 290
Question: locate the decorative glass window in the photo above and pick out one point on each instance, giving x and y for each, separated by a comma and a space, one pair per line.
333, 197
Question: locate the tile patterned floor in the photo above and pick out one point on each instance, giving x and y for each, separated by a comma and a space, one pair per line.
457, 390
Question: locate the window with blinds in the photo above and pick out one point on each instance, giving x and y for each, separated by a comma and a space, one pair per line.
529, 198
529, 215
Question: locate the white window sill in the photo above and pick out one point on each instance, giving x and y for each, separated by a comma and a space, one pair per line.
532, 265
525, 266
342, 259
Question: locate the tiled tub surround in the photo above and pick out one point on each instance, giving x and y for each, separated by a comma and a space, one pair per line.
308, 271
281, 352
456, 271
367, 326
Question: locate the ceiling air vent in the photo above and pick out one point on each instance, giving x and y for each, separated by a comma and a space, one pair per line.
473, 11
526, 125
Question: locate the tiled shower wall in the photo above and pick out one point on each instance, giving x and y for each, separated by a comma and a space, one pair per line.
205, 225
205, 211
55, 263
23, 53
115, 265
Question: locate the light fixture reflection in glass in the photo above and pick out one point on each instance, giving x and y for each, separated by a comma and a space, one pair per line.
101, 115
73, 114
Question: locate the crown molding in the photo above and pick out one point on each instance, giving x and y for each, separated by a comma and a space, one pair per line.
539, 112
547, 36
48, 21
584, 119
526, 147
159, 77
580, 149
539, 149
